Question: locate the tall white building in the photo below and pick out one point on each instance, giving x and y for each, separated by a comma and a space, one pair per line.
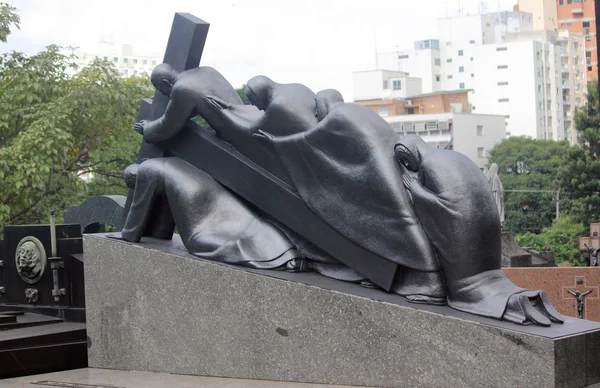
384, 84
122, 57
535, 79
473, 135
460, 37
510, 81
423, 62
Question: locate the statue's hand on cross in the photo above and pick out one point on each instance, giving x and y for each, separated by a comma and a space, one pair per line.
139, 126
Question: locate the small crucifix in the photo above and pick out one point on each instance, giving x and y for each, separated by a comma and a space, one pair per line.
579, 295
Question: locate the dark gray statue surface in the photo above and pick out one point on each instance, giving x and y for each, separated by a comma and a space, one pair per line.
426, 210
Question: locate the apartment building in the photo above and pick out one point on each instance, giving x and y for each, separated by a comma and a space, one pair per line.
545, 13
422, 62
461, 36
534, 77
429, 103
579, 16
473, 135
122, 57
384, 84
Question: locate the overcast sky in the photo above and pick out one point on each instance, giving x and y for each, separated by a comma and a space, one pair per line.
315, 42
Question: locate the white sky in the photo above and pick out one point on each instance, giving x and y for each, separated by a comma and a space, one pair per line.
315, 42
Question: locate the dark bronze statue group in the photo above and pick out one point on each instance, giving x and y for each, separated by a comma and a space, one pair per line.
429, 211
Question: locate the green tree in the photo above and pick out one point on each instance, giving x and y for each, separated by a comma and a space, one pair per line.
581, 175
242, 94
563, 238
525, 164
56, 126
8, 19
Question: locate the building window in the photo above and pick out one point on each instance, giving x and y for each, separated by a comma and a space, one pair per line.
397, 85
569, 24
450, 76
503, 100
448, 44
383, 111
437, 77
480, 130
589, 68
471, 59
402, 56
386, 85
472, 42
473, 108
125, 72
106, 58
472, 75
153, 63
586, 24
501, 48
449, 60
144, 61
461, 69
125, 60
502, 66
503, 83
561, 2
462, 85
135, 61
115, 60
507, 117
588, 38
410, 111
437, 62
461, 53
480, 152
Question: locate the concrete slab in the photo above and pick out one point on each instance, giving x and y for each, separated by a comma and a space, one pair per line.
105, 378
155, 309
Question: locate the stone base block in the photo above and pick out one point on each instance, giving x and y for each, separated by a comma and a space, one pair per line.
153, 307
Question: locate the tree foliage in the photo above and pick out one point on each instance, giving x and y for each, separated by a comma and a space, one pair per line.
563, 238
581, 175
532, 169
56, 125
8, 19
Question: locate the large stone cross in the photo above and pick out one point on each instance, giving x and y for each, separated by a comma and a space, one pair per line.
241, 175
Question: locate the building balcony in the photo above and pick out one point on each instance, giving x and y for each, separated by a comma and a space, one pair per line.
566, 85
577, 11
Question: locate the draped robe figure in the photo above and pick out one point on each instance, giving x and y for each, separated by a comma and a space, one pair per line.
342, 161
497, 190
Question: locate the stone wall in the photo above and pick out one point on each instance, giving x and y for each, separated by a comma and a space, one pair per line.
555, 281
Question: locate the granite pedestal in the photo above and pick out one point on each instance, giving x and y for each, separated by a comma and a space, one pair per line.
153, 307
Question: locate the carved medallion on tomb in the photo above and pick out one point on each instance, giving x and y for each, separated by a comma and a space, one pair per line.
30, 259
31, 294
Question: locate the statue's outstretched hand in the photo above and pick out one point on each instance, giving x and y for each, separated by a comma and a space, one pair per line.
139, 126
262, 135
216, 102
